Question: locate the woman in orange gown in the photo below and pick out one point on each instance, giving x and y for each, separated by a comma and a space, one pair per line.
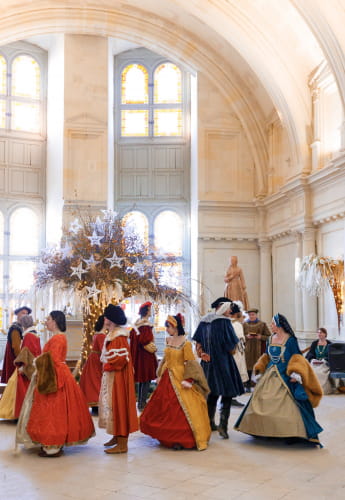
54, 411
117, 406
91, 376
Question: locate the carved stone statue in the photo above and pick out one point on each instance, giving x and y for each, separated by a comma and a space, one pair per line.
235, 288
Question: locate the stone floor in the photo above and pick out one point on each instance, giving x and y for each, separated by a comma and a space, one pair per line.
240, 467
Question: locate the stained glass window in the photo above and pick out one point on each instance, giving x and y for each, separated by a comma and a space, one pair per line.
25, 116
167, 84
134, 123
167, 122
135, 226
24, 232
135, 88
26, 77
3, 72
168, 231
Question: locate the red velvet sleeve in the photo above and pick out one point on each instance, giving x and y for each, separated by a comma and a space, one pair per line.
117, 354
146, 335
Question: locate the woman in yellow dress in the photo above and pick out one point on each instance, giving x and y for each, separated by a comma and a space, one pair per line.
176, 413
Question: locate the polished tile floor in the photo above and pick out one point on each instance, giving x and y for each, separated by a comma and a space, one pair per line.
240, 467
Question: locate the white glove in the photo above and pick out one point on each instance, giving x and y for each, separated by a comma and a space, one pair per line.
186, 384
296, 376
256, 377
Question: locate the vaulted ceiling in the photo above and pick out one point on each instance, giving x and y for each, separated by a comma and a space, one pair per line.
259, 53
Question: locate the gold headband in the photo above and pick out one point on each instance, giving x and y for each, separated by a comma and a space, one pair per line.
172, 321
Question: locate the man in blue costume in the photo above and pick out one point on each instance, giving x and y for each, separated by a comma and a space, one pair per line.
215, 341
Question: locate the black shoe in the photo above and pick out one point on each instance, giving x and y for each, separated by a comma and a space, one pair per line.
213, 426
234, 402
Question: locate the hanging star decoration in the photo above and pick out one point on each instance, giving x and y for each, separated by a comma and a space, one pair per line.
95, 239
91, 262
115, 261
92, 291
78, 270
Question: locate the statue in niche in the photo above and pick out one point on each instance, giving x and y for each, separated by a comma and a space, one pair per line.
235, 288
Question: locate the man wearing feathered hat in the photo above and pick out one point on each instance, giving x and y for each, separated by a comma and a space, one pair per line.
256, 333
14, 338
215, 341
143, 353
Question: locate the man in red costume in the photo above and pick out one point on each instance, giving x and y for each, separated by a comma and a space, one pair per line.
14, 338
142, 352
117, 407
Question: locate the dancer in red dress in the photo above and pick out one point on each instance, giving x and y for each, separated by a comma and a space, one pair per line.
176, 414
117, 409
144, 360
91, 376
54, 412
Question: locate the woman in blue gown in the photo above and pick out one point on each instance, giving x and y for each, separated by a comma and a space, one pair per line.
286, 392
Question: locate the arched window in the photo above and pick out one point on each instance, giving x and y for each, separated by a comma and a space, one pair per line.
24, 232
3, 90
136, 231
25, 94
135, 85
147, 113
168, 233
167, 91
24, 247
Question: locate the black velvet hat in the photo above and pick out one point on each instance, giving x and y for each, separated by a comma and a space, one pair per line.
219, 301
115, 314
22, 308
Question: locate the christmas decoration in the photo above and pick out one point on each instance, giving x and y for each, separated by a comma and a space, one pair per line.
318, 274
100, 262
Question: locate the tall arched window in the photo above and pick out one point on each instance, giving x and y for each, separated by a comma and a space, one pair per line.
23, 89
168, 240
23, 248
3, 90
152, 166
25, 94
168, 233
167, 113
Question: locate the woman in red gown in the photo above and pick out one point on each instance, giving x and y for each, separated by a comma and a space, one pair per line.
91, 376
54, 413
144, 362
176, 414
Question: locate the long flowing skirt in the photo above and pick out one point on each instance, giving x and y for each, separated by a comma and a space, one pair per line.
8, 400
272, 410
322, 372
164, 419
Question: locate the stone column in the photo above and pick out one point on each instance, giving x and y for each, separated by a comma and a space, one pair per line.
309, 303
298, 291
85, 122
265, 280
